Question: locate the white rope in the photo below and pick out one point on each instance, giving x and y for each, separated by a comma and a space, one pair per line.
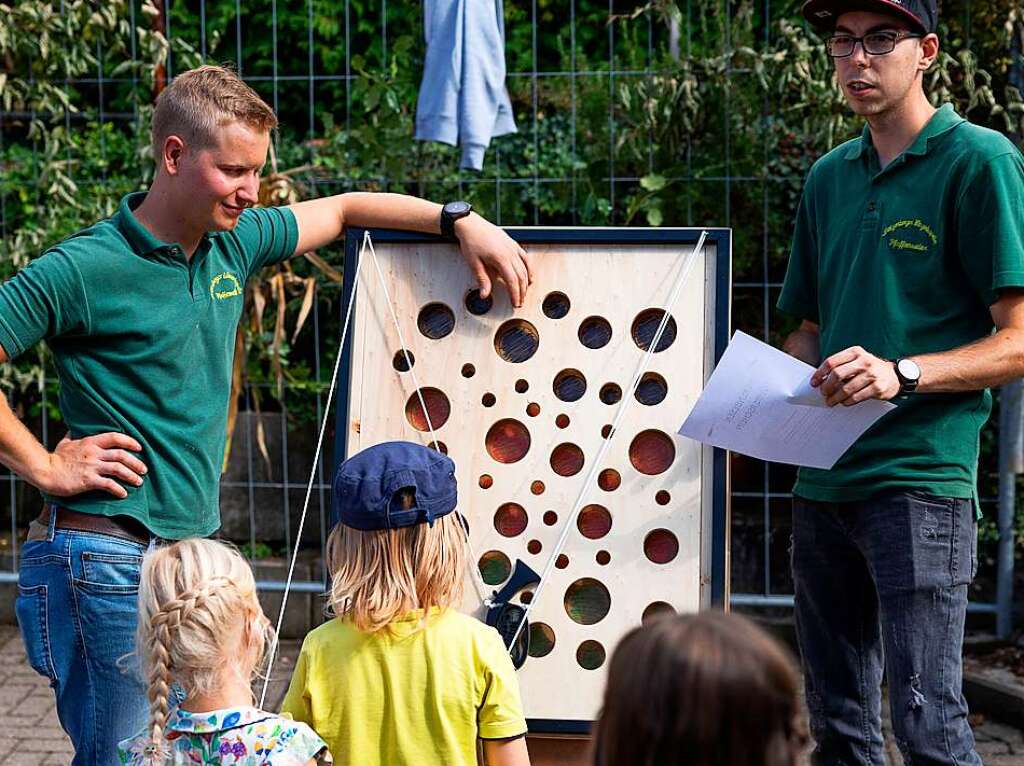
602, 451
309, 486
478, 583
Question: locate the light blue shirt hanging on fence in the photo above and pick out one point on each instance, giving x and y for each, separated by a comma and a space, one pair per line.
462, 98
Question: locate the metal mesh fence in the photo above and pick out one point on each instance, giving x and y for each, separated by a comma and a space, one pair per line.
342, 76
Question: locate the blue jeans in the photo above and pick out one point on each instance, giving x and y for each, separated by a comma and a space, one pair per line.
882, 585
77, 611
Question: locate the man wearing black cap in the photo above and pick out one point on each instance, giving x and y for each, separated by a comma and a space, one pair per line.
906, 268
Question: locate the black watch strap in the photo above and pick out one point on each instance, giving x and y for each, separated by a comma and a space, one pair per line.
452, 212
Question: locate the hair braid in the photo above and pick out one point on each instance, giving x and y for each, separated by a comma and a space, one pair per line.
171, 615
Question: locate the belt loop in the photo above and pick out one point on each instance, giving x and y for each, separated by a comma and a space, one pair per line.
54, 510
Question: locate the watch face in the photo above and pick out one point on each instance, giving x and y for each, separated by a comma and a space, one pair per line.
909, 369
457, 208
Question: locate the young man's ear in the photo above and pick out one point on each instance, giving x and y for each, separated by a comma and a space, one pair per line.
929, 51
173, 151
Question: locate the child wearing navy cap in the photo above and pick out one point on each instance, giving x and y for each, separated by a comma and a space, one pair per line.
399, 676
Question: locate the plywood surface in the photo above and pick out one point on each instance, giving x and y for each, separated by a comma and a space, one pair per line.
639, 547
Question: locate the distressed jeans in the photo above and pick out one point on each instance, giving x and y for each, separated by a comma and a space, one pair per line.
881, 585
77, 611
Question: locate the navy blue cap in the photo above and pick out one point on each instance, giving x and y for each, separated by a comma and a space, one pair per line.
368, 487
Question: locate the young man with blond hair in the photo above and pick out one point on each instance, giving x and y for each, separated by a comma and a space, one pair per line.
140, 311
906, 270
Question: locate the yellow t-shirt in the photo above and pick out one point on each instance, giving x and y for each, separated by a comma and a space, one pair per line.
408, 697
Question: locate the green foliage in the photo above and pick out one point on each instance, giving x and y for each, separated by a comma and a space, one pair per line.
715, 127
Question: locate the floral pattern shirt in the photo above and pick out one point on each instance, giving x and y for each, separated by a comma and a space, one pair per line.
243, 736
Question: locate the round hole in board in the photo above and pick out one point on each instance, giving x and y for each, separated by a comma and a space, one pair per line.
439, 446
562, 421
590, 655
652, 389
594, 522
488, 400
662, 497
537, 487
587, 601
595, 332
610, 393
516, 341
402, 362
645, 326
566, 459
550, 518
542, 639
435, 321
570, 385
533, 409
468, 370
534, 547
495, 567
606, 430
438, 409
476, 305
661, 546
556, 305
603, 557
486, 481
656, 610
522, 386
652, 451
510, 519
526, 596
507, 441
609, 480
562, 561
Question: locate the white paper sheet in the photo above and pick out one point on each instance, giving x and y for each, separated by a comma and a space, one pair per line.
759, 402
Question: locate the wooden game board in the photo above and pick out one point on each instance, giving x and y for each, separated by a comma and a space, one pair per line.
522, 399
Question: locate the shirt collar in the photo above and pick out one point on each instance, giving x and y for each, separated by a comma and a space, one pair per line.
943, 121
139, 238
213, 721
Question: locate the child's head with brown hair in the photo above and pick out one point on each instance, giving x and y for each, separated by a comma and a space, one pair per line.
701, 690
396, 546
200, 623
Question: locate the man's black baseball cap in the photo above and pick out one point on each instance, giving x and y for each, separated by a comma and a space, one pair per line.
922, 15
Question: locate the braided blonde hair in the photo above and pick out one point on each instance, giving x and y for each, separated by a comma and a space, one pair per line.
199, 618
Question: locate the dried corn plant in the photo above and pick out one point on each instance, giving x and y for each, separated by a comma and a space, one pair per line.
274, 288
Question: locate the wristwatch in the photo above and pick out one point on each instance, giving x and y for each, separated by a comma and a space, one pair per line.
452, 212
908, 373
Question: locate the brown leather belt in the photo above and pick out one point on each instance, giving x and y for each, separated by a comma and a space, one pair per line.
115, 526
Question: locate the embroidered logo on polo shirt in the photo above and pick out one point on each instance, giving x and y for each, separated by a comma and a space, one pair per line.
910, 235
225, 285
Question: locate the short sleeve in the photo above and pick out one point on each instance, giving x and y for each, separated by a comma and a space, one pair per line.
297, 744
267, 235
990, 227
500, 714
800, 288
44, 300
297, 700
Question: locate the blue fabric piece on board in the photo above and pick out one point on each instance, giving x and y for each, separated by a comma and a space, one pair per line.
463, 100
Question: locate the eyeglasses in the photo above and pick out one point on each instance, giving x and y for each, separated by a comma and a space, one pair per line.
875, 44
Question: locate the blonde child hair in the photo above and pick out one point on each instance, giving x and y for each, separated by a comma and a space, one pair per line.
378, 576
198, 617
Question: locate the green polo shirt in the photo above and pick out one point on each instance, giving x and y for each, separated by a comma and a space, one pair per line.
143, 341
904, 261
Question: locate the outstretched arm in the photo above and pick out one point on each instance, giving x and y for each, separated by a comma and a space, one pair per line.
488, 250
